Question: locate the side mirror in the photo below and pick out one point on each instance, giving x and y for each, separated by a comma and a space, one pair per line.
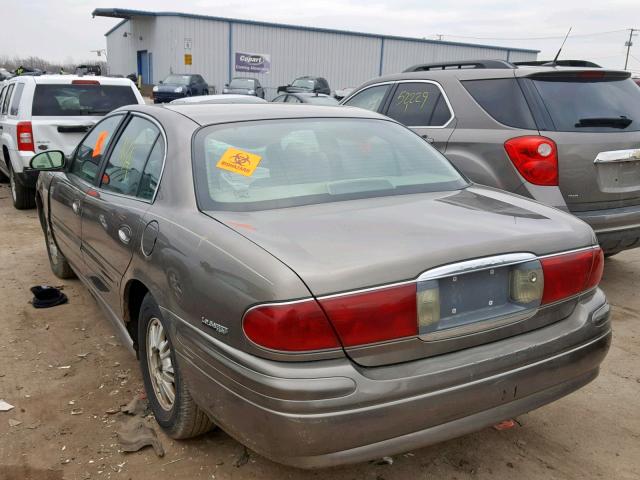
226, 84
48, 161
160, 82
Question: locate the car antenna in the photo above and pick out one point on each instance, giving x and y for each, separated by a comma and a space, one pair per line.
553, 63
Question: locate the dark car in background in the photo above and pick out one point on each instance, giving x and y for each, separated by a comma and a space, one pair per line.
567, 137
312, 98
307, 84
244, 86
180, 86
318, 281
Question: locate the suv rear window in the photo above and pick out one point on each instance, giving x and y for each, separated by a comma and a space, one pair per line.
590, 105
73, 100
503, 100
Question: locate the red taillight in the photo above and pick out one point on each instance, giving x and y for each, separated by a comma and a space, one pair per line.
25, 137
295, 326
569, 274
85, 82
535, 157
375, 316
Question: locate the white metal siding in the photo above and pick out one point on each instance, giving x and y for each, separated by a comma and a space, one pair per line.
345, 60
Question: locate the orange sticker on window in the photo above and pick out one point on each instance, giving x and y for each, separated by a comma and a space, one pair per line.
239, 161
99, 146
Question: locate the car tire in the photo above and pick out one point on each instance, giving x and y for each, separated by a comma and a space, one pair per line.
23, 197
57, 261
171, 403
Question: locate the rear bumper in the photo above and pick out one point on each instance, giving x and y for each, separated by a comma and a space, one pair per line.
617, 229
332, 412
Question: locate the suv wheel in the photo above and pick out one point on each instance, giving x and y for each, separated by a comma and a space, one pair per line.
59, 265
23, 197
170, 400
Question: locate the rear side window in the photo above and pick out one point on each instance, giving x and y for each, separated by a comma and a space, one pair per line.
152, 171
7, 97
583, 105
74, 100
503, 100
17, 96
127, 161
86, 163
370, 98
419, 105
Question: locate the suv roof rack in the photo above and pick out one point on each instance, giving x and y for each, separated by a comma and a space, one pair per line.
560, 63
422, 67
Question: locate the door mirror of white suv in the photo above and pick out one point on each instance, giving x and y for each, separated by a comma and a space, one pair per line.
48, 161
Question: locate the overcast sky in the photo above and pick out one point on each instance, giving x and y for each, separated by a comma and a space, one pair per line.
62, 30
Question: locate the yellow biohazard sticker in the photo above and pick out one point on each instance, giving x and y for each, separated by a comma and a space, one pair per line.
239, 161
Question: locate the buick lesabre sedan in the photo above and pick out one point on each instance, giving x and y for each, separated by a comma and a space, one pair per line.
320, 283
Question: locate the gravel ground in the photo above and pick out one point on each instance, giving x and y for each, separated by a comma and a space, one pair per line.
63, 370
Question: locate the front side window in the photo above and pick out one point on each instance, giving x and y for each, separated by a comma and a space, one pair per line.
419, 104
370, 98
86, 163
58, 100
127, 161
281, 163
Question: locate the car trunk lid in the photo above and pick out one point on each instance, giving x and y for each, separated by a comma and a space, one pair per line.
342, 247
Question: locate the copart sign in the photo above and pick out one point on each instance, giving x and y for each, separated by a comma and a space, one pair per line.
253, 62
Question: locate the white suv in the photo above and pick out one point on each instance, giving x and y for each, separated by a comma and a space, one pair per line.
51, 112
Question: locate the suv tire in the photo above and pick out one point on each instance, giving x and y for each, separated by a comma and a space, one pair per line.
169, 398
23, 197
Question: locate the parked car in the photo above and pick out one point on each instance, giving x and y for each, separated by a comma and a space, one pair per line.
213, 99
341, 93
5, 74
51, 112
244, 86
180, 86
300, 275
313, 98
307, 84
567, 137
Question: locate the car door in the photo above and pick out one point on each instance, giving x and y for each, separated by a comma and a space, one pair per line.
113, 219
69, 189
423, 106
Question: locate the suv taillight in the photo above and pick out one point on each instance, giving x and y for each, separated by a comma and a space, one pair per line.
25, 137
569, 274
535, 157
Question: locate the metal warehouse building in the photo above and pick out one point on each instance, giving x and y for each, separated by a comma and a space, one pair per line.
154, 44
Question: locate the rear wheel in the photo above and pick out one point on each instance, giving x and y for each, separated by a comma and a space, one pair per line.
59, 265
23, 197
170, 400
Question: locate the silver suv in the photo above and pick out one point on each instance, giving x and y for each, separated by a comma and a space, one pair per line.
567, 137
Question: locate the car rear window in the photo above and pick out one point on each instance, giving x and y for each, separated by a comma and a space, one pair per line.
503, 100
73, 100
282, 163
590, 104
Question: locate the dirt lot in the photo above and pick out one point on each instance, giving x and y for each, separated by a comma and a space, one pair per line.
63, 370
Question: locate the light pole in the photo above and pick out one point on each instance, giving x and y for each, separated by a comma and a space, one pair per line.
628, 44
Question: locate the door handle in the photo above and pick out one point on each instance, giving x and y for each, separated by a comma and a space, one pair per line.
124, 234
75, 206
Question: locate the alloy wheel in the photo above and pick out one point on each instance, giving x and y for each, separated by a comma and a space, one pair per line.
160, 364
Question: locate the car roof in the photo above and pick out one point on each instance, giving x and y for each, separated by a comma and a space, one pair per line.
227, 98
478, 73
68, 79
206, 114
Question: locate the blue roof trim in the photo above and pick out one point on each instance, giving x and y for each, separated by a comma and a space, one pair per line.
128, 13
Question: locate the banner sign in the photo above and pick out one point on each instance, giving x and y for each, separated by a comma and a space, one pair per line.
253, 62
